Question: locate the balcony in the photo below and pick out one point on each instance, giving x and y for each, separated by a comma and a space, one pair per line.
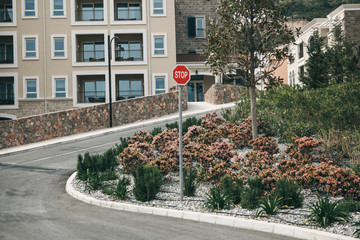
129, 47
7, 91
127, 10
91, 89
129, 86
6, 50
90, 48
88, 10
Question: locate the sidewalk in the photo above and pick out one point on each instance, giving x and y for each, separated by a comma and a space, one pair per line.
195, 109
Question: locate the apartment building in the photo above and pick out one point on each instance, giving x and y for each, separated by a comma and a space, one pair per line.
349, 17
54, 54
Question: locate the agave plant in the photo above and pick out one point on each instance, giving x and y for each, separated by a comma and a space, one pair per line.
324, 213
357, 232
270, 205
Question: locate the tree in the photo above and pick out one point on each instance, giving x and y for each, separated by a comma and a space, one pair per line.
317, 69
245, 37
342, 58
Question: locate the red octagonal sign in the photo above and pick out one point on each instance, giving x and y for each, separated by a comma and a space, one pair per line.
181, 75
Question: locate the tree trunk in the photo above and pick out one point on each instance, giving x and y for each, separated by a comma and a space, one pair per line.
253, 112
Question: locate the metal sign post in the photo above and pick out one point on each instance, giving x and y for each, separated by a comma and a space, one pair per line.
181, 75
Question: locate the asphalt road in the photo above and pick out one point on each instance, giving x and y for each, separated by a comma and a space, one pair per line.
34, 204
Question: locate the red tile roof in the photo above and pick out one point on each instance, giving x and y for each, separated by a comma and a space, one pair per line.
190, 57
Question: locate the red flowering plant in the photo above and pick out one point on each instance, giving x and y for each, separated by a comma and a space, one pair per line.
265, 144
305, 149
212, 121
141, 136
168, 138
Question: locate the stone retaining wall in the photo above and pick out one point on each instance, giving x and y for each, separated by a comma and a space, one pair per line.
64, 123
221, 93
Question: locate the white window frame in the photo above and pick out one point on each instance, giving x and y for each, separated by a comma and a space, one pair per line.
16, 89
36, 47
152, 9
156, 75
74, 45
27, 78
75, 87
53, 37
203, 17
118, 22
59, 77
144, 45
153, 35
88, 23
15, 64
14, 22
36, 10
52, 10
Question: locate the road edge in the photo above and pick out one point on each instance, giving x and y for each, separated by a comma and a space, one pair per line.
248, 224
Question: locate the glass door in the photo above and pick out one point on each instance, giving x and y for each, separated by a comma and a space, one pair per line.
195, 91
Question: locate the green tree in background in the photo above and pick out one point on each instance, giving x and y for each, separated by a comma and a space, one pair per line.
246, 37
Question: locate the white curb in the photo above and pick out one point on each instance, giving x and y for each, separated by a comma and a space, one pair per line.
249, 224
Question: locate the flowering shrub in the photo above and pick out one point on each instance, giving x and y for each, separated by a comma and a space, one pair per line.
304, 148
265, 144
141, 136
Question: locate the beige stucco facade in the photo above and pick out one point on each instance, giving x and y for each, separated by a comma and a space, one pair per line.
82, 25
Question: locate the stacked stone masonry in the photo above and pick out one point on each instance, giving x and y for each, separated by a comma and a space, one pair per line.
221, 94
64, 123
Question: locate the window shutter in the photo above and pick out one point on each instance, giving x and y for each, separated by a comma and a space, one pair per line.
191, 27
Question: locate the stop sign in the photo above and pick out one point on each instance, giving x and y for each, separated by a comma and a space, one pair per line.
181, 75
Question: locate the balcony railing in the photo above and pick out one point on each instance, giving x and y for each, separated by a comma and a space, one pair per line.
129, 55
91, 96
89, 15
5, 61
90, 56
128, 14
127, 95
7, 99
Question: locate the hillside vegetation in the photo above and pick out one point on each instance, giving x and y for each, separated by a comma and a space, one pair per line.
310, 9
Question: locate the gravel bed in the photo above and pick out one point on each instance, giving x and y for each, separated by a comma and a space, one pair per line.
169, 197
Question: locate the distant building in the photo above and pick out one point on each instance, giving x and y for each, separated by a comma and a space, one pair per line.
349, 17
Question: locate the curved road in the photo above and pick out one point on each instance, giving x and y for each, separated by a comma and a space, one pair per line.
34, 204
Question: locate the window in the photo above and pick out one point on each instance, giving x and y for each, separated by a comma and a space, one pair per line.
92, 12
129, 51
301, 50
94, 91
30, 47
130, 88
301, 71
29, 8
31, 87
6, 13
93, 52
60, 87
7, 96
158, 8
128, 11
200, 26
58, 8
58, 46
159, 45
6, 52
160, 83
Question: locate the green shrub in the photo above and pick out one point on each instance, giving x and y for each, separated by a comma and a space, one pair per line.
357, 231
349, 206
148, 181
217, 199
290, 192
121, 190
119, 148
252, 193
93, 182
324, 213
156, 131
232, 188
269, 205
189, 182
186, 124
